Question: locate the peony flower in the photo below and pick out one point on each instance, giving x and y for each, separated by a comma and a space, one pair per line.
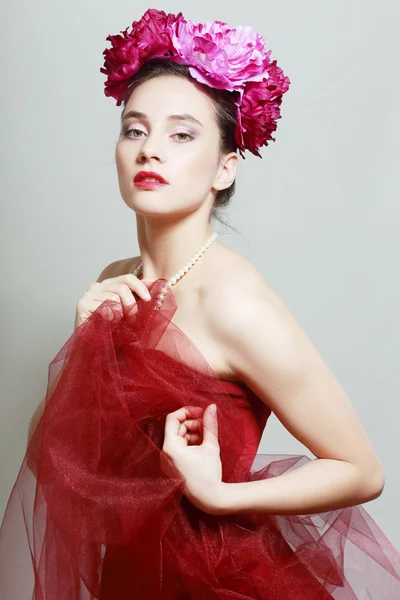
259, 110
220, 56
150, 37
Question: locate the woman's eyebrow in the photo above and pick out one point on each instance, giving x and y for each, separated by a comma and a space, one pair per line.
177, 117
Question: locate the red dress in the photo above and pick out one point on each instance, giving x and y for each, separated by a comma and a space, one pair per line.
103, 520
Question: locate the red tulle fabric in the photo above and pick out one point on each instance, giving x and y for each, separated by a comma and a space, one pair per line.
94, 515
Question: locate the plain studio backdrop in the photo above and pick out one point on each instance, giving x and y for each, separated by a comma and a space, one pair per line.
318, 214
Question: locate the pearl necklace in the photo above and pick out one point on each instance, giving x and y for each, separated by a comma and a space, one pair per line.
175, 278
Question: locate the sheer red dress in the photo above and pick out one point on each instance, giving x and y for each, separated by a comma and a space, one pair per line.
94, 515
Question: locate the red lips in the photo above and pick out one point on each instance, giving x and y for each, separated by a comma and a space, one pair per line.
143, 174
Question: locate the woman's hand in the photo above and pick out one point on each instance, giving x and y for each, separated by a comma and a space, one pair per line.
114, 288
191, 443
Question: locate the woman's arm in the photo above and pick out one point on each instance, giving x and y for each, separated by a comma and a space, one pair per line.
270, 352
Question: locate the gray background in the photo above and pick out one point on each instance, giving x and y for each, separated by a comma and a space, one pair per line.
319, 214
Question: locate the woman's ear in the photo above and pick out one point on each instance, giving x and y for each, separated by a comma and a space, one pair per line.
227, 172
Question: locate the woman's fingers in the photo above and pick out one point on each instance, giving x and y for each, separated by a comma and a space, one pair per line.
192, 425
130, 283
194, 438
121, 289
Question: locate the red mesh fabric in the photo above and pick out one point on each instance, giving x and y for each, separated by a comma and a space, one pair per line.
93, 515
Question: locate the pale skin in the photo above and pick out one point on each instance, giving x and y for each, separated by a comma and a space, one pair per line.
263, 346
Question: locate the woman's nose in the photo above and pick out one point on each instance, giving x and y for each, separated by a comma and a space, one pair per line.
152, 148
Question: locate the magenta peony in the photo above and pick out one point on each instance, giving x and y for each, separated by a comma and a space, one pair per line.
150, 37
260, 109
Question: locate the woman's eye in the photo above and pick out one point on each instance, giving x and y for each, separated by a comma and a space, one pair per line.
128, 131
188, 135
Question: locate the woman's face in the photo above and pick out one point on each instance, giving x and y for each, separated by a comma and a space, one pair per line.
184, 151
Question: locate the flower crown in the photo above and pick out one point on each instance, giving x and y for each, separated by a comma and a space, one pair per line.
220, 56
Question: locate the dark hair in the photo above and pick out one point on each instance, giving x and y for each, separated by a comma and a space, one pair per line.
225, 112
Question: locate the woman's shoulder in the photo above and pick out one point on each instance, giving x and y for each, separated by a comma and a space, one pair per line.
119, 267
238, 292
234, 274
250, 320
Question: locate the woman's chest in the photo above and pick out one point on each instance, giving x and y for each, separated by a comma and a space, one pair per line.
194, 321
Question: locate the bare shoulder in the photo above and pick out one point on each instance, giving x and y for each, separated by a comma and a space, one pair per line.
119, 267
249, 317
240, 293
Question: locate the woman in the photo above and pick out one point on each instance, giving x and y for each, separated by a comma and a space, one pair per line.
141, 490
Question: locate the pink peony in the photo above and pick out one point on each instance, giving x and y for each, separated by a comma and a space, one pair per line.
220, 56
150, 37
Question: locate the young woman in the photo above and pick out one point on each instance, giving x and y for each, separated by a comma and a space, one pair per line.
141, 489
